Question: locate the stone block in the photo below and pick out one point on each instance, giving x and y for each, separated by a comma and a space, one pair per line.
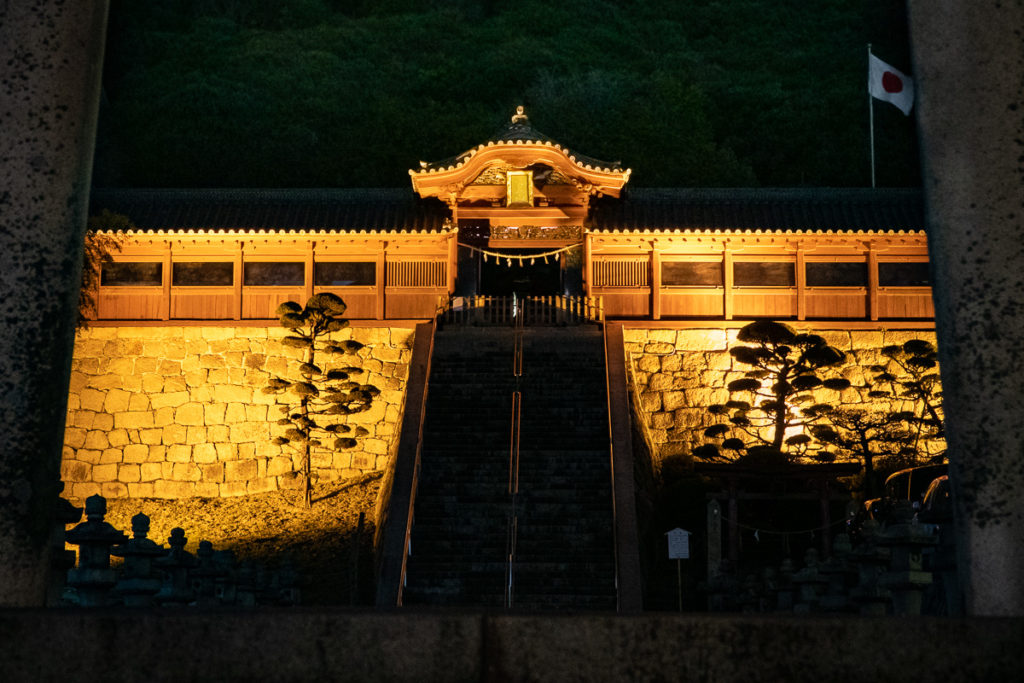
650, 401
141, 490
289, 482
659, 348
132, 383
74, 437
213, 413
718, 361
145, 364
173, 489
96, 440
157, 453
702, 340
152, 383
659, 382
866, 339
203, 394
163, 417
75, 471
168, 367
839, 339
82, 418
92, 399
228, 393
375, 446
204, 453
239, 470
189, 414
226, 451
321, 459
128, 473
266, 447
210, 360
113, 489
173, 434
195, 378
108, 455
136, 453
117, 400
219, 376
79, 381
179, 453
633, 334
262, 485
249, 431
133, 420
150, 471
84, 490
235, 412
186, 471
173, 385
245, 451
206, 489
166, 470
218, 433
151, 437
194, 435
104, 473
232, 488
213, 472
257, 413
169, 399
84, 454
661, 420
673, 399
670, 364
279, 465
362, 461
648, 363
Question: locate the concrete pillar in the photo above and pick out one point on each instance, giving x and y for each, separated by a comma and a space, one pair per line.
50, 61
969, 67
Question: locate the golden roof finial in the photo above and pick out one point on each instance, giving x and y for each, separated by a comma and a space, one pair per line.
519, 115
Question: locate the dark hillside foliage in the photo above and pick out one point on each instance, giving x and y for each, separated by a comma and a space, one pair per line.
327, 93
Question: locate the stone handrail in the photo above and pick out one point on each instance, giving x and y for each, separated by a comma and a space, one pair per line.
397, 512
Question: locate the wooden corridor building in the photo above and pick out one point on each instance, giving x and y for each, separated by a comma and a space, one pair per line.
518, 213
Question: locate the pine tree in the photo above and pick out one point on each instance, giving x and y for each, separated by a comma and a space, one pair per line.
320, 400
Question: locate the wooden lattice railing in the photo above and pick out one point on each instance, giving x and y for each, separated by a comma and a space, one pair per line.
528, 310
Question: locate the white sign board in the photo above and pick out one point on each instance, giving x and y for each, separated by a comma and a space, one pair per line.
678, 544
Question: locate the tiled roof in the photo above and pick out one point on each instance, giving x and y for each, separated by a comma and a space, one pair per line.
641, 209
787, 210
348, 210
519, 131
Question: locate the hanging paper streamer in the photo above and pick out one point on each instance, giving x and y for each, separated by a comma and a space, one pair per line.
498, 256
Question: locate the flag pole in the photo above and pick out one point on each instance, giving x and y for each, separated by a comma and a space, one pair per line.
871, 119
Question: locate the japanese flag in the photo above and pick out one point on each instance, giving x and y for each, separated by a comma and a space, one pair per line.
890, 85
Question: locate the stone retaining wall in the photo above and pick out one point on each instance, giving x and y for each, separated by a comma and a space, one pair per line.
178, 411
679, 373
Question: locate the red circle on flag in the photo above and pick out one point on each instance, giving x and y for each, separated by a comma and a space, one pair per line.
891, 82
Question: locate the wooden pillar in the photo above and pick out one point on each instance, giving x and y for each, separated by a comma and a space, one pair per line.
165, 300
381, 277
872, 283
309, 273
655, 281
727, 282
801, 285
453, 260
236, 306
587, 265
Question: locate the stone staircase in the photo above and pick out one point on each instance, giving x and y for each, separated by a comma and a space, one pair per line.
564, 542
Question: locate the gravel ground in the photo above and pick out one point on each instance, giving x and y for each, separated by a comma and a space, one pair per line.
268, 527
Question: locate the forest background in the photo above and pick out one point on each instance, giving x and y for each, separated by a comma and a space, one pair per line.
352, 93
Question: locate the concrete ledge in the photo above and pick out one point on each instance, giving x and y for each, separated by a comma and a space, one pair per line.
322, 645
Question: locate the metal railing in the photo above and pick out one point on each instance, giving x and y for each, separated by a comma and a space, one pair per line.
513, 468
526, 310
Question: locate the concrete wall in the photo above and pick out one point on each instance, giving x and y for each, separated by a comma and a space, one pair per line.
680, 372
178, 411
331, 645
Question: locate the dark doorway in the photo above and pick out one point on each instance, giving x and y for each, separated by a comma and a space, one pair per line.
539, 278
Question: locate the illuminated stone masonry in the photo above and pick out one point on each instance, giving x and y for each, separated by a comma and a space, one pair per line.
178, 411
678, 373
